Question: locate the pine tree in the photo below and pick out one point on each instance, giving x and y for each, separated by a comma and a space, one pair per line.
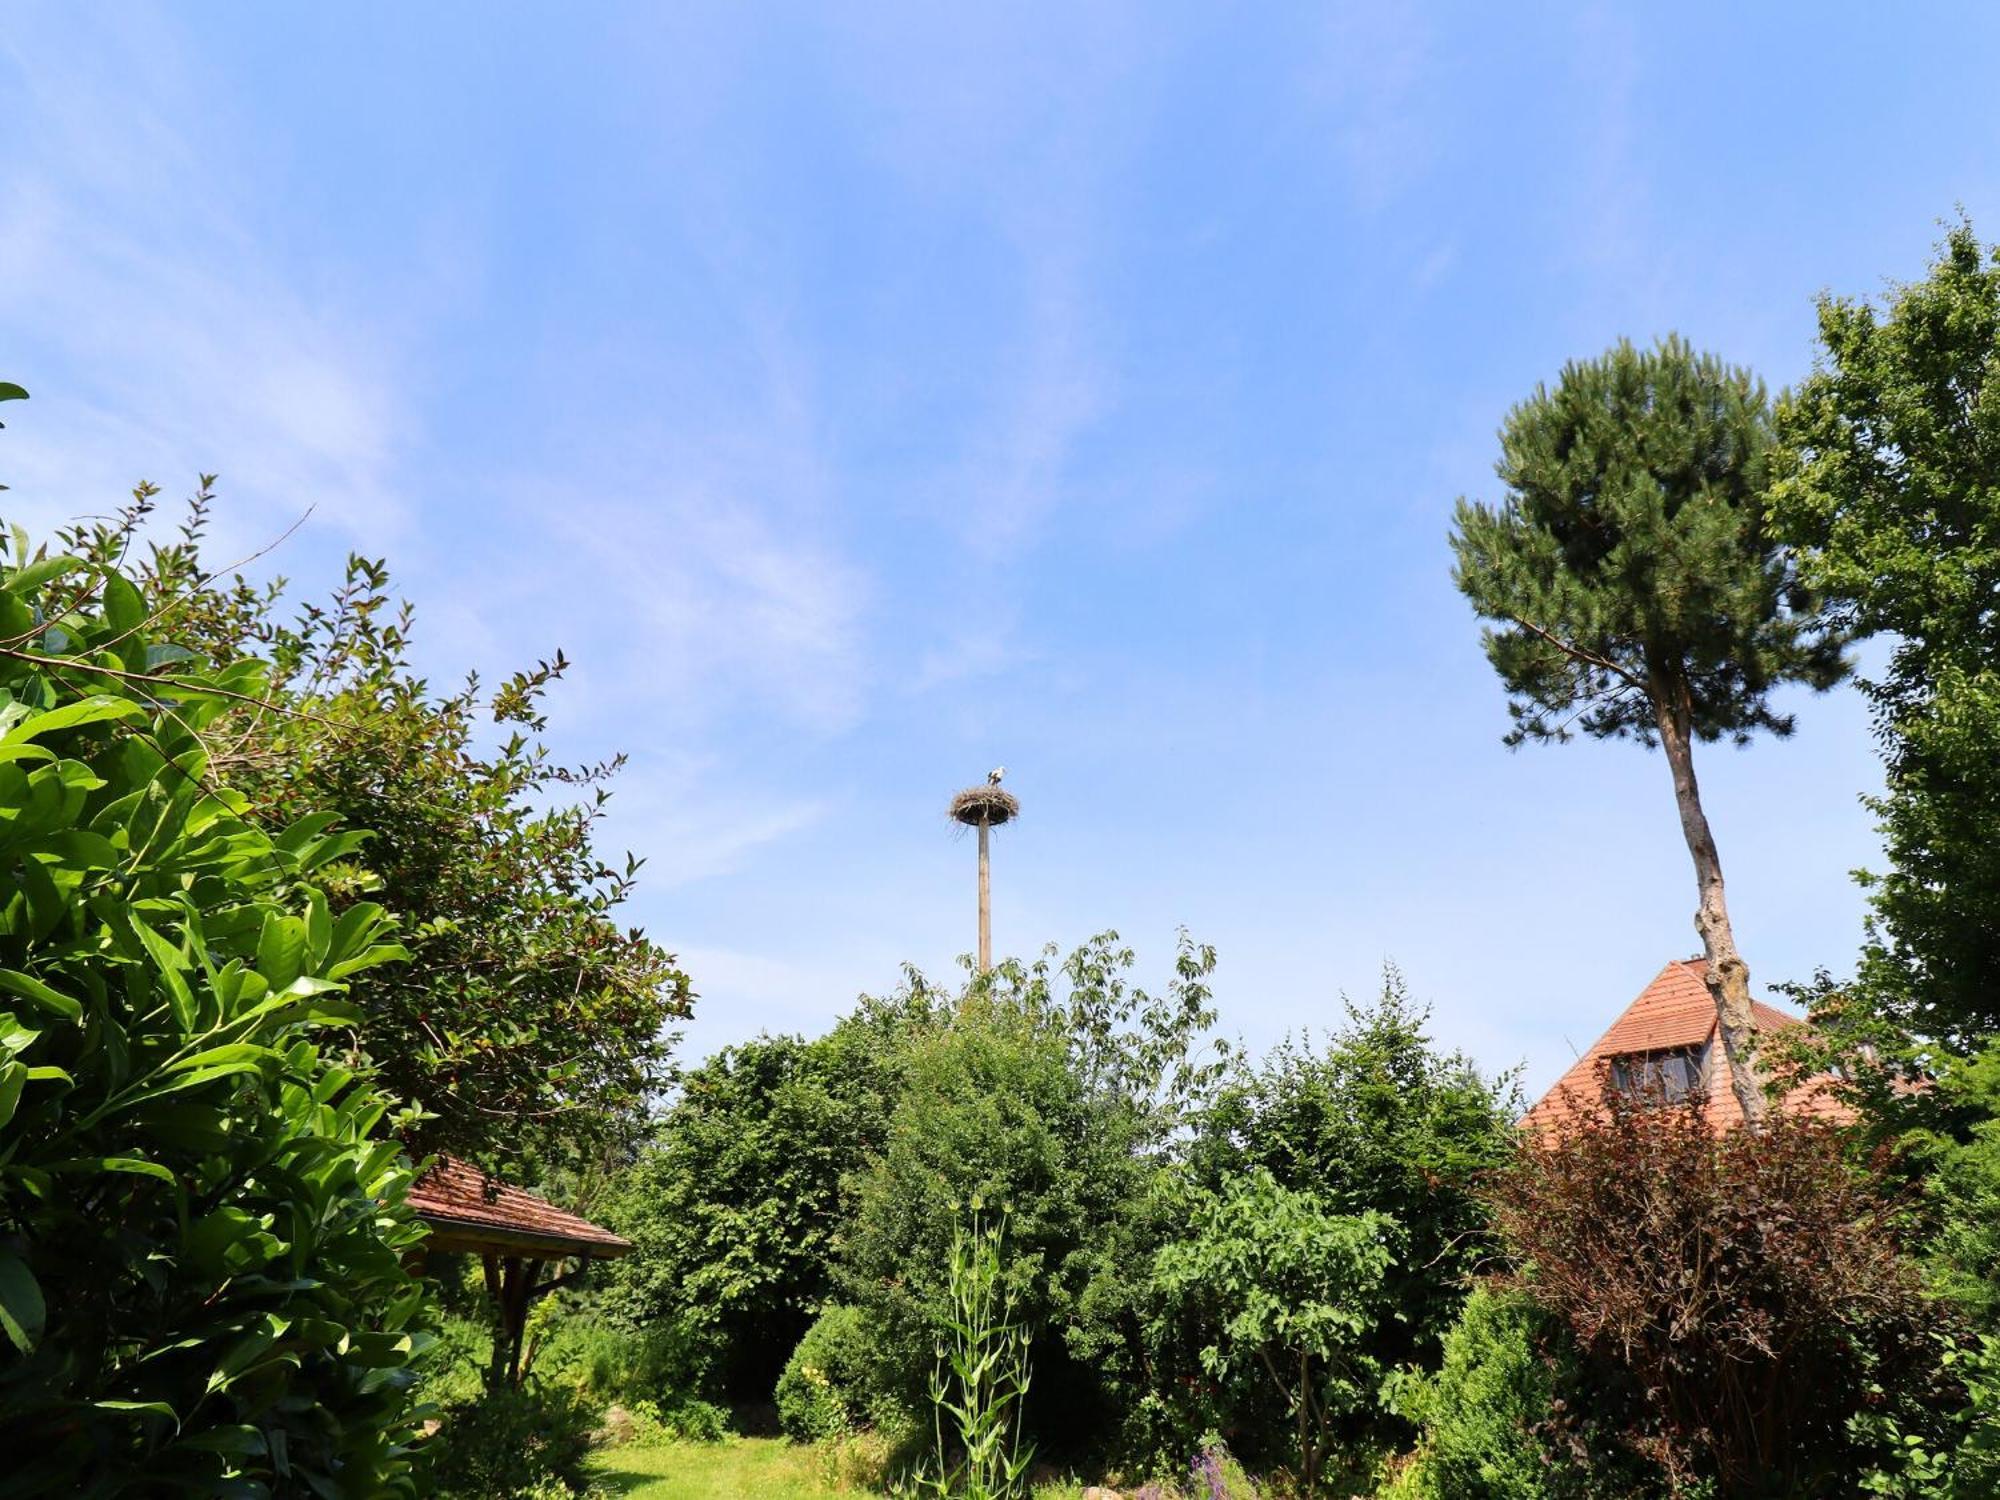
1635, 590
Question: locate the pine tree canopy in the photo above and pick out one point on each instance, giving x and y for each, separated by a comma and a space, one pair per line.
1629, 565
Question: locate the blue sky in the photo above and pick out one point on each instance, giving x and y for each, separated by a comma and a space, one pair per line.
865, 396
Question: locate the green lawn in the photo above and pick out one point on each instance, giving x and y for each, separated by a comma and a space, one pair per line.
734, 1469
737, 1468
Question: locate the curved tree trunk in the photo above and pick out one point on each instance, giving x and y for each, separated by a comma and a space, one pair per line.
1728, 976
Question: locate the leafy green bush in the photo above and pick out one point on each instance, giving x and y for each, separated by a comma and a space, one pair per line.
825, 1389
1285, 1294
667, 1364
1378, 1119
1480, 1411
455, 1368
1486, 1415
518, 1443
995, 1109
202, 1229
1956, 1457
735, 1212
688, 1420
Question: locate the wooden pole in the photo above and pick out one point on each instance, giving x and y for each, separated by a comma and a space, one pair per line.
985, 903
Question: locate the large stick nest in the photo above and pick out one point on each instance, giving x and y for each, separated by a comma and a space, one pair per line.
985, 804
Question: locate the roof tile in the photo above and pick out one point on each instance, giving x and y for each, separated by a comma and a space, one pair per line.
458, 1193
1674, 1011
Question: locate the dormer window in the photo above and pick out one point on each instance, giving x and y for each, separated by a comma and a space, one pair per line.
1665, 1077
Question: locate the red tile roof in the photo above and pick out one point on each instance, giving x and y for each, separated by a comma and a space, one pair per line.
467, 1210
1674, 1011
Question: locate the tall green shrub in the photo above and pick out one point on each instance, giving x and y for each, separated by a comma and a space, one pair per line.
532, 1025
737, 1208
1376, 1118
1285, 1294
993, 1109
1510, 1414
824, 1389
201, 1225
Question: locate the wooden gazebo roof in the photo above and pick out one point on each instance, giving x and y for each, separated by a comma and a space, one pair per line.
469, 1211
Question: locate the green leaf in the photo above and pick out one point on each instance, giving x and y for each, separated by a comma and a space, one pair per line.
124, 609
281, 949
319, 928
95, 710
305, 830
22, 1312
233, 1053
238, 1442
30, 988
26, 579
13, 1078
132, 1166
167, 959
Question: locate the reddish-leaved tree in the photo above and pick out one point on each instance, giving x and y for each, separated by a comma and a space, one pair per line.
1749, 1288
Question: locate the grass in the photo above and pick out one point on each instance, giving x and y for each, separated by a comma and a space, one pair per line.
735, 1469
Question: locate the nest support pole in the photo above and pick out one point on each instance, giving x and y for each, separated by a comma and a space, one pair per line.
985, 808
985, 901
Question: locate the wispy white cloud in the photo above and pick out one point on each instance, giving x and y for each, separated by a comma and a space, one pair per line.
692, 822
781, 994
714, 608
156, 333
1051, 391
941, 96
1367, 83
970, 654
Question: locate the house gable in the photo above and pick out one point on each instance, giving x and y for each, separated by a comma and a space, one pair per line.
1673, 1014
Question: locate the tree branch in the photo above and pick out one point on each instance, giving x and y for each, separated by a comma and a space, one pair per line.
1577, 653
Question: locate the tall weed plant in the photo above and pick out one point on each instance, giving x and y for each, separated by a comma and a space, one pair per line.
980, 1385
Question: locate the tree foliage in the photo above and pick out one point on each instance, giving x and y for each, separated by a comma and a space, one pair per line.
202, 1234
1629, 571
1752, 1286
991, 1109
1377, 1119
1286, 1293
1636, 589
739, 1207
1889, 479
528, 1021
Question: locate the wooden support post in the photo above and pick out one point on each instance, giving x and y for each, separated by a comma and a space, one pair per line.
513, 1282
